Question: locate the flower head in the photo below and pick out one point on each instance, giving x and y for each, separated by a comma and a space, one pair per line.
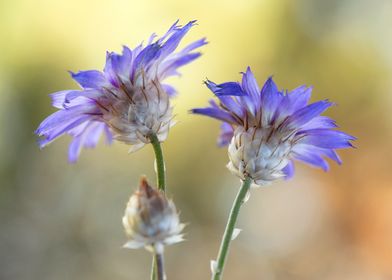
128, 101
267, 129
151, 220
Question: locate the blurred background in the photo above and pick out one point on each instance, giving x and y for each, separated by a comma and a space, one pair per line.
62, 221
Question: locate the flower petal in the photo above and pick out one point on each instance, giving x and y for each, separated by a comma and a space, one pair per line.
58, 98
214, 113
74, 149
94, 134
306, 114
299, 97
172, 42
53, 132
310, 157
228, 103
194, 45
171, 91
108, 134
169, 67
88, 94
147, 55
229, 88
292, 102
320, 122
327, 139
289, 170
226, 134
90, 79
249, 84
63, 117
270, 99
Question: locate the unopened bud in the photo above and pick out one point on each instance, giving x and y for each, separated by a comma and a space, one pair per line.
151, 220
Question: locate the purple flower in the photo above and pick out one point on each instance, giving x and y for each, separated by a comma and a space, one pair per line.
267, 129
127, 101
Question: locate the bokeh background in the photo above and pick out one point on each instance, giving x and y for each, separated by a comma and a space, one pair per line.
62, 221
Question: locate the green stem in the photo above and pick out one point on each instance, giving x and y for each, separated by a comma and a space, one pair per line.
161, 181
153, 268
160, 164
227, 236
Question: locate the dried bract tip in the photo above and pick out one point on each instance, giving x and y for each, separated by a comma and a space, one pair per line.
151, 220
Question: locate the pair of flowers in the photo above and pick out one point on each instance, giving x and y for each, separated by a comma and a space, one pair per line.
128, 102
265, 129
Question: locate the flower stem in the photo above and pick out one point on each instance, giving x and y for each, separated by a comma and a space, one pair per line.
160, 267
153, 268
227, 236
157, 260
160, 164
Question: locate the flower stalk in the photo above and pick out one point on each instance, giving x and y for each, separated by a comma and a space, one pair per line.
230, 226
160, 269
154, 268
161, 182
159, 161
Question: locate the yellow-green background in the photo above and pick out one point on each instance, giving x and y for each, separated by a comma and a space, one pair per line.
61, 221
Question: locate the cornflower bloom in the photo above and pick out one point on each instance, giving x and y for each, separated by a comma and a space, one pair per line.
128, 101
266, 130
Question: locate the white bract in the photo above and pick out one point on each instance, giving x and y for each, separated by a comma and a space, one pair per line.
259, 153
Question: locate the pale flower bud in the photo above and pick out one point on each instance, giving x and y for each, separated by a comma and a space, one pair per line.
151, 220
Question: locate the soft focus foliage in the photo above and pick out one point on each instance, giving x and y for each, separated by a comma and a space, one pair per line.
62, 221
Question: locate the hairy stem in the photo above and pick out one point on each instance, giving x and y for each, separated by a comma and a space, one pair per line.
227, 236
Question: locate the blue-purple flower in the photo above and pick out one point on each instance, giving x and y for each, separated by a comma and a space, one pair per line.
267, 129
128, 101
